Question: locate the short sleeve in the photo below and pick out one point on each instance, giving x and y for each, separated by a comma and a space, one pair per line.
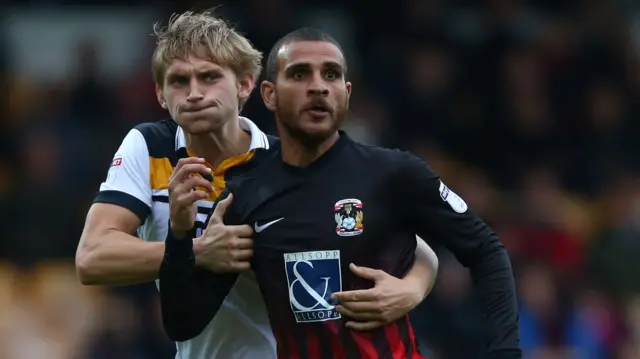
127, 183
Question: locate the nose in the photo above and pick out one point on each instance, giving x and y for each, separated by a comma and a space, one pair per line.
195, 94
317, 87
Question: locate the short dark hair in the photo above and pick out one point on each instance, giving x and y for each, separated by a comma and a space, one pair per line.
301, 34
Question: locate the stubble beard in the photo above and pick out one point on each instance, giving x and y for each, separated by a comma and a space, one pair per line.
289, 123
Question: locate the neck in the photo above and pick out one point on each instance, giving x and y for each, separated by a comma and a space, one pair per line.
300, 153
216, 146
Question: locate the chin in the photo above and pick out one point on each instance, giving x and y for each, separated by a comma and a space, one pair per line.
315, 132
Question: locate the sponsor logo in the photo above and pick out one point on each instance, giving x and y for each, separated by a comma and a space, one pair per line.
312, 278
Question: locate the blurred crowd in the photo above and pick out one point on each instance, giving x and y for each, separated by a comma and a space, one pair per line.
528, 109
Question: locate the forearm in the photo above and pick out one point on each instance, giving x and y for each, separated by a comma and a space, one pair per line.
119, 259
190, 297
424, 271
494, 282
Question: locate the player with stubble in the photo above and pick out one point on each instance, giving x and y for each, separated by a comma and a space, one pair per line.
204, 71
325, 203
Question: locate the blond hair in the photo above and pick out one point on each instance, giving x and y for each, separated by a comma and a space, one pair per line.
205, 36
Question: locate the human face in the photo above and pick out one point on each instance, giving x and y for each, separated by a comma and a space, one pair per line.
200, 95
310, 97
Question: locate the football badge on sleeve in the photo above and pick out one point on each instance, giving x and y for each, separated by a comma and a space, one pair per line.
113, 169
349, 217
455, 201
116, 162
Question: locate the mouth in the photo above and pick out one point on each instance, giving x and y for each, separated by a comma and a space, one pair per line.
318, 111
195, 109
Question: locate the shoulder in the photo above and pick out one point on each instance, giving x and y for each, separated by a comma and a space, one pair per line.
159, 137
274, 142
392, 159
263, 155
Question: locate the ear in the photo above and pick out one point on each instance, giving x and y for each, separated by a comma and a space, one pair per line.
348, 87
160, 96
247, 84
268, 92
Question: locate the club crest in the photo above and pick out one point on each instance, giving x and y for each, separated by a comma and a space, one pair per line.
349, 217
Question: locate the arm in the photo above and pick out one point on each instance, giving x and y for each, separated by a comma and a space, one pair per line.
438, 213
390, 298
190, 297
423, 273
108, 253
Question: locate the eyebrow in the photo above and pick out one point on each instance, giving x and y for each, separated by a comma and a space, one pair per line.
171, 76
178, 74
304, 65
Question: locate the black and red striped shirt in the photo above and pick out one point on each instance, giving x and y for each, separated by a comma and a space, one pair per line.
355, 204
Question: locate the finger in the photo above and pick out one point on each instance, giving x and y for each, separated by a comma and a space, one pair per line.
367, 273
191, 169
191, 183
242, 243
361, 316
361, 307
242, 255
242, 230
355, 295
192, 197
186, 171
240, 266
363, 326
185, 161
220, 210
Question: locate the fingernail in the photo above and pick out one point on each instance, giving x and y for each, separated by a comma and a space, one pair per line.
208, 169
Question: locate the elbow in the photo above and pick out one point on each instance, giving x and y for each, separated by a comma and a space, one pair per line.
86, 267
491, 253
495, 247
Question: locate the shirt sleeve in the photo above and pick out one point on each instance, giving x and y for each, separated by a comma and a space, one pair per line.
190, 297
128, 179
439, 214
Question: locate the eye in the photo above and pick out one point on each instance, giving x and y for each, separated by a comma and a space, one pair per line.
178, 80
331, 75
298, 74
211, 77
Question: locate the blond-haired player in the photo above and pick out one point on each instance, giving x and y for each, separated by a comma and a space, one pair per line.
204, 73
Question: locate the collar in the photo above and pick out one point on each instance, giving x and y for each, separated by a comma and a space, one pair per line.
258, 138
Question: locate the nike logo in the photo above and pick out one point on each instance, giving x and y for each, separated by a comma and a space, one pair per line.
266, 225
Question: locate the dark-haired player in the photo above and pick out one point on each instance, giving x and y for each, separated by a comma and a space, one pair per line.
322, 202
204, 72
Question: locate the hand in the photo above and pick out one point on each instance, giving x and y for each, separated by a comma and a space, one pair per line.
390, 299
183, 193
222, 248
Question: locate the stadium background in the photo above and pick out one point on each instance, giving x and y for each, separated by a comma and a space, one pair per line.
527, 109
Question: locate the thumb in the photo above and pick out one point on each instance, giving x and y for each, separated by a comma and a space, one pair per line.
367, 273
221, 209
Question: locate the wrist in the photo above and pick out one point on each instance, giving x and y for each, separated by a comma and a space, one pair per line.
197, 250
179, 249
180, 233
